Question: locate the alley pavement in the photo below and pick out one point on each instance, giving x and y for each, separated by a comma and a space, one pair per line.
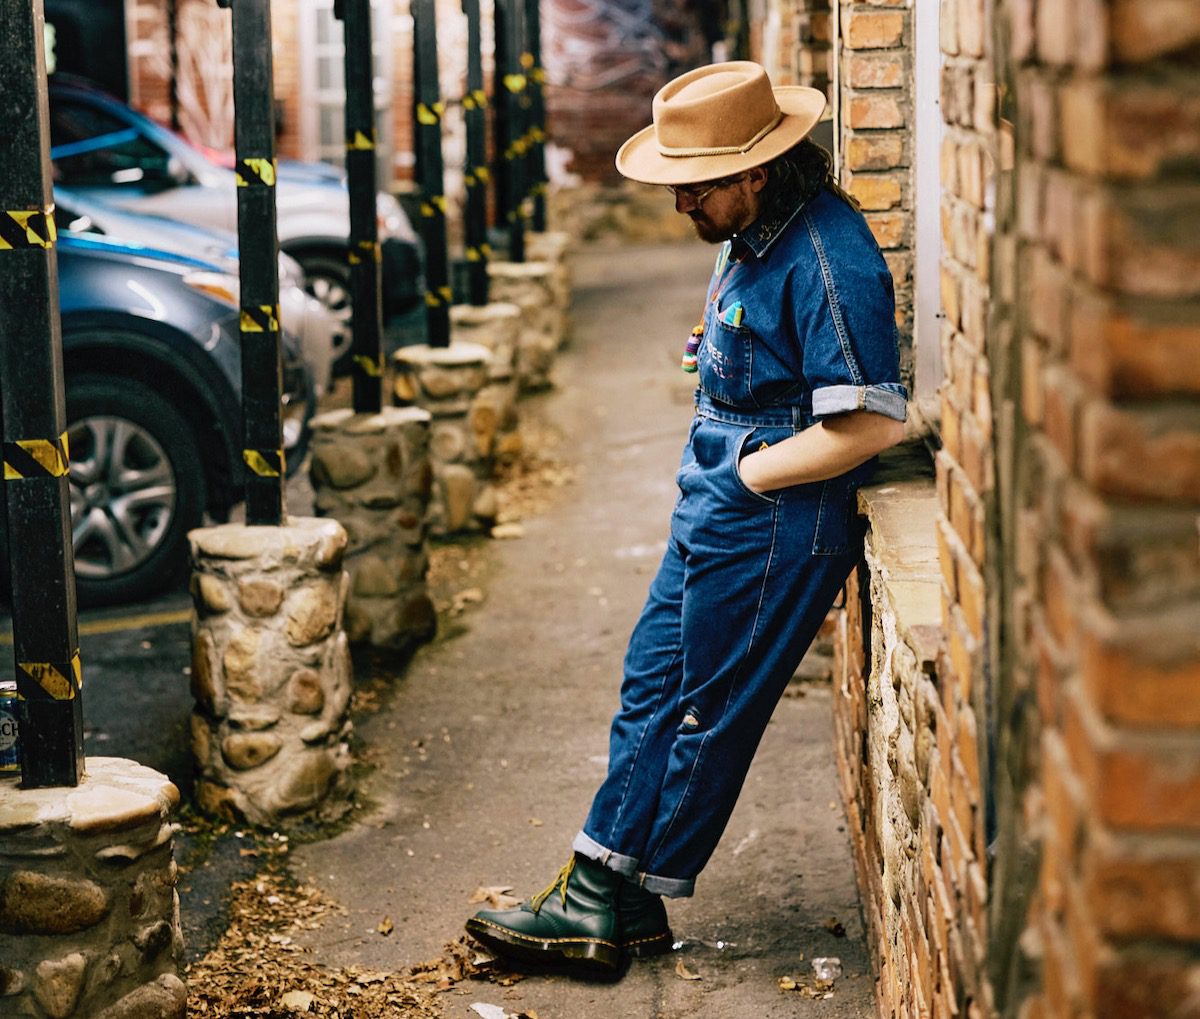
490, 744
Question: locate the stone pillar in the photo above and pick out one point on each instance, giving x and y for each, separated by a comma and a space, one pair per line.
496, 326
448, 382
530, 286
551, 247
371, 473
270, 667
89, 917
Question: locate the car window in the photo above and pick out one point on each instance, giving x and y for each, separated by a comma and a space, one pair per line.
90, 147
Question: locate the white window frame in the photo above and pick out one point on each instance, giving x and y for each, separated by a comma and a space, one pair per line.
929, 129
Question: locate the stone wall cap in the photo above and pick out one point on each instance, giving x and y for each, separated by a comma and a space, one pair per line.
292, 541
114, 793
475, 313
455, 355
346, 420
520, 270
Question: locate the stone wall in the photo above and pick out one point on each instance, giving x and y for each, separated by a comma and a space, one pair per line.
89, 916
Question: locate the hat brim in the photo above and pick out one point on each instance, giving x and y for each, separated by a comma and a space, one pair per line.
639, 158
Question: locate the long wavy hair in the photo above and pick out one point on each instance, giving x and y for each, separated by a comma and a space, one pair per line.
800, 173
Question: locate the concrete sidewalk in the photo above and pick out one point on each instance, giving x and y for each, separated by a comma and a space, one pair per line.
494, 740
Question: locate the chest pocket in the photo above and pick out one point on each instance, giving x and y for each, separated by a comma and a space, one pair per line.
725, 362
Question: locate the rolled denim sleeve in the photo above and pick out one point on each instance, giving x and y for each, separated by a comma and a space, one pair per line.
851, 350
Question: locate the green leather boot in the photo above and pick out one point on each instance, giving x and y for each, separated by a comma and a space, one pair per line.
645, 930
573, 921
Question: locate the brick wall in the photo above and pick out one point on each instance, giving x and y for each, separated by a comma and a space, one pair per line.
1056, 811
1105, 602
876, 107
814, 38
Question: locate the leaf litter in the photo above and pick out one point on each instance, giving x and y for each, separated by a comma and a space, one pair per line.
257, 969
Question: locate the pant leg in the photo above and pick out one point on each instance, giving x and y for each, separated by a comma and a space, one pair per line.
643, 729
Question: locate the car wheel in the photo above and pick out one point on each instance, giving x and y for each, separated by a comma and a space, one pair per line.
136, 486
328, 280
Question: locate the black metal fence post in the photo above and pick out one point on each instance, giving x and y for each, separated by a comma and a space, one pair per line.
367, 311
510, 129
537, 113
427, 130
45, 635
475, 170
258, 246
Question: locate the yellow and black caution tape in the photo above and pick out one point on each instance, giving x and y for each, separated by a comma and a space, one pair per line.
369, 366
430, 115
260, 318
436, 205
266, 463
475, 100
361, 142
27, 228
61, 680
373, 249
443, 295
255, 172
36, 458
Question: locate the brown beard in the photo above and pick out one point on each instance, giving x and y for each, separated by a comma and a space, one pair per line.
710, 232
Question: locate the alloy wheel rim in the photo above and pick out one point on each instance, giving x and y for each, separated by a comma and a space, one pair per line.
123, 494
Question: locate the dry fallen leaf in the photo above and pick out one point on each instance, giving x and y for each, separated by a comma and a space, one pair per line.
684, 973
385, 926
495, 896
297, 1001
834, 926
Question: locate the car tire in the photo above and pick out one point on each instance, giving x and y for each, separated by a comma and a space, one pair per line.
137, 488
327, 278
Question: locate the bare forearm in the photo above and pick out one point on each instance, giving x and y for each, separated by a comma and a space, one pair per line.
827, 449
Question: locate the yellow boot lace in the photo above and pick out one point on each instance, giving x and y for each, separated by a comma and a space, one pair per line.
560, 882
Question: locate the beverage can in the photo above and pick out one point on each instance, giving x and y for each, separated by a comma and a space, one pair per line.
10, 742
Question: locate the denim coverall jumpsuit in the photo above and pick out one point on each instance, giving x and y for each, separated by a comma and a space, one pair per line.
799, 324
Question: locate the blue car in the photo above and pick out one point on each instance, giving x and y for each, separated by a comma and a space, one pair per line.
152, 361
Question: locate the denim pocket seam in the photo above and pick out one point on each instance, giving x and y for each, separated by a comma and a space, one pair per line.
736, 458
818, 548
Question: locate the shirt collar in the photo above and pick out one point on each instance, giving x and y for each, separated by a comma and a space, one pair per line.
760, 235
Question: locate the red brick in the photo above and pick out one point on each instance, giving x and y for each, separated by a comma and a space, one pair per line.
1138, 783
1143, 672
1053, 25
1133, 245
1136, 891
1142, 32
1033, 400
891, 229
1062, 410
1140, 984
875, 151
972, 26
868, 30
1047, 283
1060, 591
964, 653
1051, 667
1134, 351
1131, 130
948, 29
877, 69
976, 456
874, 110
878, 191
1151, 454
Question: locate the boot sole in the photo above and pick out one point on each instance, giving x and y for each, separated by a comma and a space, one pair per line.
593, 954
646, 948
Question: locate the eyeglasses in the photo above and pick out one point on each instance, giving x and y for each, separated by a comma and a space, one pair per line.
696, 193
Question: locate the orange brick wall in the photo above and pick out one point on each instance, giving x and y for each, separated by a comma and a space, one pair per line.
876, 108
1106, 604
1060, 838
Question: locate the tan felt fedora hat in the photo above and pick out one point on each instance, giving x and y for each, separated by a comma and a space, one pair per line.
716, 121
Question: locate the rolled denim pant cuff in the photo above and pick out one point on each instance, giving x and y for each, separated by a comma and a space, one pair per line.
589, 847
671, 887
